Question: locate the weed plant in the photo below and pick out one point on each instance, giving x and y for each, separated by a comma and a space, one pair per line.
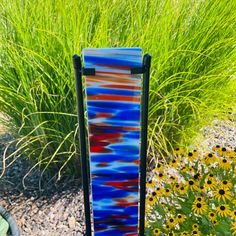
192, 44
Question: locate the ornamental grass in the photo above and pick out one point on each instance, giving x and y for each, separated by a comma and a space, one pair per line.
193, 193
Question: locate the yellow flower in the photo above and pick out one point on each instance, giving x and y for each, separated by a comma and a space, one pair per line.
226, 184
233, 228
180, 218
191, 156
210, 183
156, 231
196, 232
159, 191
233, 215
216, 148
151, 184
178, 151
195, 226
184, 233
171, 222
171, 234
212, 216
210, 159
183, 189
199, 207
161, 176
222, 194
224, 164
223, 210
174, 163
159, 168
222, 151
151, 201
167, 192
193, 185
215, 222
173, 179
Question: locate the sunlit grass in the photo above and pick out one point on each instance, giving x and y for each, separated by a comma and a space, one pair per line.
192, 44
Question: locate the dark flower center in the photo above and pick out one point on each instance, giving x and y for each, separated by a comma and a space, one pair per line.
177, 149
222, 208
221, 192
171, 220
223, 149
209, 182
174, 161
199, 199
217, 146
194, 232
156, 231
210, 155
177, 185
199, 205
151, 199
160, 175
158, 188
182, 188
211, 175
179, 216
191, 182
149, 181
235, 213
225, 182
224, 160
190, 154
154, 193
212, 214
167, 190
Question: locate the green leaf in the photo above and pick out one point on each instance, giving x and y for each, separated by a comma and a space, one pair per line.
4, 226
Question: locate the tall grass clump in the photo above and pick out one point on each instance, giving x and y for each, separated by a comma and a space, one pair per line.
193, 48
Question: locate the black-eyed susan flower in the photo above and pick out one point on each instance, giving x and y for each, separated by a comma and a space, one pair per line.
180, 218
233, 215
174, 163
226, 184
161, 177
199, 207
178, 151
196, 232
224, 164
191, 157
222, 193
215, 222
156, 232
210, 159
159, 168
195, 226
233, 228
211, 215
171, 222
173, 179
150, 183
171, 233
183, 189
184, 233
223, 210
192, 184
151, 201
167, 192
199, 199
210, 183
216, 148
222, 151
159, 191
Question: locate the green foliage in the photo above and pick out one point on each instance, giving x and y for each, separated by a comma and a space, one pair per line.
4, 226
192, 44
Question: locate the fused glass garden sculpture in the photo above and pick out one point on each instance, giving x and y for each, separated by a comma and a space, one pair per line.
115, 168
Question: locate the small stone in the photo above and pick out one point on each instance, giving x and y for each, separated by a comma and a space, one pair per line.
72, 222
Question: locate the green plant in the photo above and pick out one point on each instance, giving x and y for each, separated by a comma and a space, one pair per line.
194, 194
193, 48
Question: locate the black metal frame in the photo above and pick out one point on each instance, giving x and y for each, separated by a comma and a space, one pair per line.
79, 71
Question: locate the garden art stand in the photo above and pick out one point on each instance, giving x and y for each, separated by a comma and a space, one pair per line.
114, 157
